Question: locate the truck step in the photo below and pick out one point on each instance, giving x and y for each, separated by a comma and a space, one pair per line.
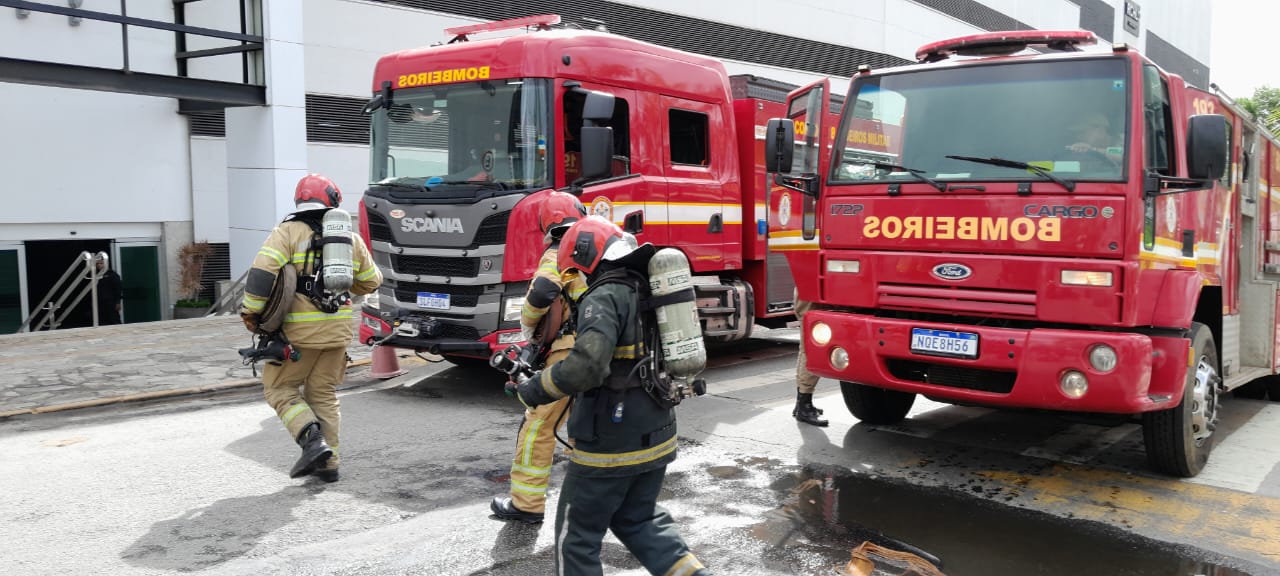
713, 333
715, 310
711, 288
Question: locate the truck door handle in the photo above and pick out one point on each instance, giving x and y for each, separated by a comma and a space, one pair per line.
716, 225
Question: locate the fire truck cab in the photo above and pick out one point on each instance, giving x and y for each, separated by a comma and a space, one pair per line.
469, 136
1071, 230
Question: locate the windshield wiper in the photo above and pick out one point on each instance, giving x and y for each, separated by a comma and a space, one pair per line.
919, 174
494, 185
1006, 163
405, 183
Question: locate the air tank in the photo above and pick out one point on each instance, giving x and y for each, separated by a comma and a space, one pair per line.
680, 333
336, 251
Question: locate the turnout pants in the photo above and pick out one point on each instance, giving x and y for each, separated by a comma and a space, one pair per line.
536, 446
628, 506
806, 381
317, 373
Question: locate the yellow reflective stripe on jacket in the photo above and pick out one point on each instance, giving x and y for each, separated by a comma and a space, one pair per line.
688, 564
253, 303
549, 386
344, 314
532, 470
626, 458
628, 352
273, 254
367, 274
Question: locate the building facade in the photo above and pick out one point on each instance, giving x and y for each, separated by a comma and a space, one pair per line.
201, 140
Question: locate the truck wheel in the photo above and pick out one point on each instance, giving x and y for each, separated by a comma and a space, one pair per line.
1179, 439
876, 405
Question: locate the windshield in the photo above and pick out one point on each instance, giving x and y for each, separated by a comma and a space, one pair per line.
1066, 119
489, 134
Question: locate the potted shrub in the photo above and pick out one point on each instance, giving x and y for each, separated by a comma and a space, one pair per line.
191, 259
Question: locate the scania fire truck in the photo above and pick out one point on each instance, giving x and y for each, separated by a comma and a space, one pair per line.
469, 136
1066, 229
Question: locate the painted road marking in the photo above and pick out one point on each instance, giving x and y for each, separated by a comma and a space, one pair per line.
1243, 460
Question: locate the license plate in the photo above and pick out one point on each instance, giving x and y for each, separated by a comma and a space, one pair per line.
433, 300
944, 343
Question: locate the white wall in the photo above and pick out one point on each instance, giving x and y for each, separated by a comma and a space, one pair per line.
209, 189
346, 164
81, 156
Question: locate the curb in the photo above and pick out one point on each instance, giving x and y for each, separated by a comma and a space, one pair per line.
141, 396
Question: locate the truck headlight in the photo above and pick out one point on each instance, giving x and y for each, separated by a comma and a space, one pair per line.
848, 266
1085, 278
1073, 384
839, 358
1102, 358
510, 337
511, 309
821, 333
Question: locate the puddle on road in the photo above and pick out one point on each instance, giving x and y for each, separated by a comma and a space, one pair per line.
836, 511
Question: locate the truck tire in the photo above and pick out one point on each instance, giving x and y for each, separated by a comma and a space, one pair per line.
1179, 439
876, 405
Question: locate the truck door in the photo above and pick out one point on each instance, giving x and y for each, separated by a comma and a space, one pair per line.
700, 206
793, 215
626, 190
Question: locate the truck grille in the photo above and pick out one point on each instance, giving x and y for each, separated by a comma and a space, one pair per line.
952, 376
436, 266
379, 230
493, 230
1007, 303
464, 296
458, 331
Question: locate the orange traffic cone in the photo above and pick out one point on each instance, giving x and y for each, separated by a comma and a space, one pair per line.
385, 363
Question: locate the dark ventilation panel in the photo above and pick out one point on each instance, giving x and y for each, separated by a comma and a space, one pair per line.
675, 31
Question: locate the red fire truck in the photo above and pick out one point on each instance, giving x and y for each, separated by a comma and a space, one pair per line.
469, 136
1069, 230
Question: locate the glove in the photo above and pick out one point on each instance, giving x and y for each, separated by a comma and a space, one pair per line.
528, 390
250, 321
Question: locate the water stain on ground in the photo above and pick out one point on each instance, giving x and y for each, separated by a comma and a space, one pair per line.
826, 512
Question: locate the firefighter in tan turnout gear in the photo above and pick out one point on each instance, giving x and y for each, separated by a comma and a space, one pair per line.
317, 324
536, 442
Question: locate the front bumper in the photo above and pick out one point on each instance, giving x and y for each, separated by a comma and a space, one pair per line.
1014, 368
373, 329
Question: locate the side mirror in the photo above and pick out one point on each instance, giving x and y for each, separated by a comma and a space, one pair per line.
779, 145
633, 223
597, 152
1206, 146
598, 107
373, 104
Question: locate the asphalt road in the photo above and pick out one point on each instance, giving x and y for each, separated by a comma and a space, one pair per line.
201, 485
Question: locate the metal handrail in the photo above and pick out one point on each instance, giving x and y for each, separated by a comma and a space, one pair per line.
227, 302
51, 318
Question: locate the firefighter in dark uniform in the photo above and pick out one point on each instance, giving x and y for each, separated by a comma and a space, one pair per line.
623, 438
536, 442
320, 338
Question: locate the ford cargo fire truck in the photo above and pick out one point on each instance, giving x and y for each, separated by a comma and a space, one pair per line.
469, 136
1068, 230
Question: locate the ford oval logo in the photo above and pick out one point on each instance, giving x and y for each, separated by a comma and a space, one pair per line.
952, 271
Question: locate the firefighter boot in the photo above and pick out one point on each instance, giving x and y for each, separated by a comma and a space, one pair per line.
314, 451
505, 509
806, 412
327, 471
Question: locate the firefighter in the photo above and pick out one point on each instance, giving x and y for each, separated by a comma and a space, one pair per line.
623, 438
319, 338
806, 381
536, 442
